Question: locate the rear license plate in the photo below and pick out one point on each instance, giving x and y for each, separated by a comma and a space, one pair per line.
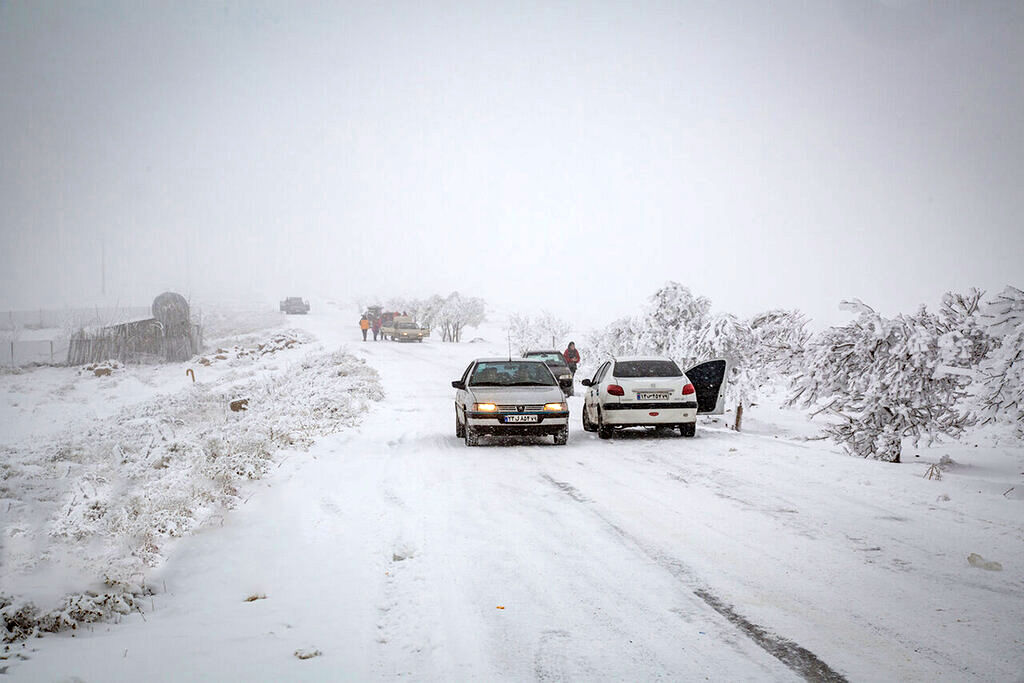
651, 396
521, 418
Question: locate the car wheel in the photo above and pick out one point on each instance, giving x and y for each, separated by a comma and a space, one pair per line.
588, 426
460, 430
603, 431
471, 436
688, 429
562, 437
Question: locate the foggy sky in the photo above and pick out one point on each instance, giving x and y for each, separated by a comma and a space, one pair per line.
567, 156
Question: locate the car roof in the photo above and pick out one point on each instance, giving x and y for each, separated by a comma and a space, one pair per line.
507, 360
641, 358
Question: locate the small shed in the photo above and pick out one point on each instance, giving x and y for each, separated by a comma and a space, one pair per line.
169, 336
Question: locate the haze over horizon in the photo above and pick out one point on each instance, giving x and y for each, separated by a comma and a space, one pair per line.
568, 157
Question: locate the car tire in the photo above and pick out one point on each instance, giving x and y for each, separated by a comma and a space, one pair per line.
603, 432
471, 436
688, 429
562, 437
460, 430
588, 426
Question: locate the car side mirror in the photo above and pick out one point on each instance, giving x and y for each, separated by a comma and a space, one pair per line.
586, 382
458, 384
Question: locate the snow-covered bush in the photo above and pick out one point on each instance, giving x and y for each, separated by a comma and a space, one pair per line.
880, 380
1002, 371
107, 501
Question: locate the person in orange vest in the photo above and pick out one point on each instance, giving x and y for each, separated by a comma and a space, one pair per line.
364, 325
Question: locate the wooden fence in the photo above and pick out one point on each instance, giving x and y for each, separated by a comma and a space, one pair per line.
139, 341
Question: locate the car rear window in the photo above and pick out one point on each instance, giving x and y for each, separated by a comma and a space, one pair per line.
647, 368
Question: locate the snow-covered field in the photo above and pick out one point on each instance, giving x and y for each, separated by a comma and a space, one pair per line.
349, 537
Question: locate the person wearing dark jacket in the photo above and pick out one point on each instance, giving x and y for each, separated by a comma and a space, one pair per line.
572, 357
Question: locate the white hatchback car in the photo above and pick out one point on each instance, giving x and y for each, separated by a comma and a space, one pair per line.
652, 391
513, 397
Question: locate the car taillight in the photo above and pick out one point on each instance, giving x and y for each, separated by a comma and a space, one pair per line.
616, 390
688, 389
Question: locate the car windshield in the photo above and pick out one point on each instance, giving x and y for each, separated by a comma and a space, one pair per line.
407, 326
511, 374
646, 368
551, 358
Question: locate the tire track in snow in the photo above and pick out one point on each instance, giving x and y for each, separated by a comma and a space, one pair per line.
799, 659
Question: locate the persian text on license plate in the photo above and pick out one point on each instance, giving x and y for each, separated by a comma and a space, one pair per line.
651, 396
521, 418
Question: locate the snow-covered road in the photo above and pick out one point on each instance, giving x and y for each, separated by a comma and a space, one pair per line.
393, 550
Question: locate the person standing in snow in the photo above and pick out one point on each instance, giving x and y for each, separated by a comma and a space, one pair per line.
376, 329
364, 325
572, 357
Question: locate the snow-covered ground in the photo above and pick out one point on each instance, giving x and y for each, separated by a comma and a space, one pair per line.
387, 548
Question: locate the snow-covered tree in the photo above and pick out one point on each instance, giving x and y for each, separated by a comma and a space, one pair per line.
780, 337
457, 313
544, 331
723, 335
965, 339
429, 310
617, 339
1002, 371
672, 319
880, 380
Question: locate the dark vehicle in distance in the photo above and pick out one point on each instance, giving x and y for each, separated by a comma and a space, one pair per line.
557, 365
294, 304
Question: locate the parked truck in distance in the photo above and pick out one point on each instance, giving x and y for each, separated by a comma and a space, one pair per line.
404, 328
294, 304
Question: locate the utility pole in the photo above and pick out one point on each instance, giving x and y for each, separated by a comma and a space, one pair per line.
103, 266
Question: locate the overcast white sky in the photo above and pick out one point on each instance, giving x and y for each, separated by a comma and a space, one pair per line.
559, 155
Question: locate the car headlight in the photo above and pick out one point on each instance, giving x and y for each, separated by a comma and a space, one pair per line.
555, 406
565, 377
485, 407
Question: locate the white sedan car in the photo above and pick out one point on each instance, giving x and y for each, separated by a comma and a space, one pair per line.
511, 398
652, 392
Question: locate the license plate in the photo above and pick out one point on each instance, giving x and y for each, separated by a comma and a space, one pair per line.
651, 396
521, 418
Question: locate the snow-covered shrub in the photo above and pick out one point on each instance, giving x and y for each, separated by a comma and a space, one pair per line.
1002, 370
108, 500
881, 380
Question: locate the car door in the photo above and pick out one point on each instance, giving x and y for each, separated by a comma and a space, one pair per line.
593, 396
708, 380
